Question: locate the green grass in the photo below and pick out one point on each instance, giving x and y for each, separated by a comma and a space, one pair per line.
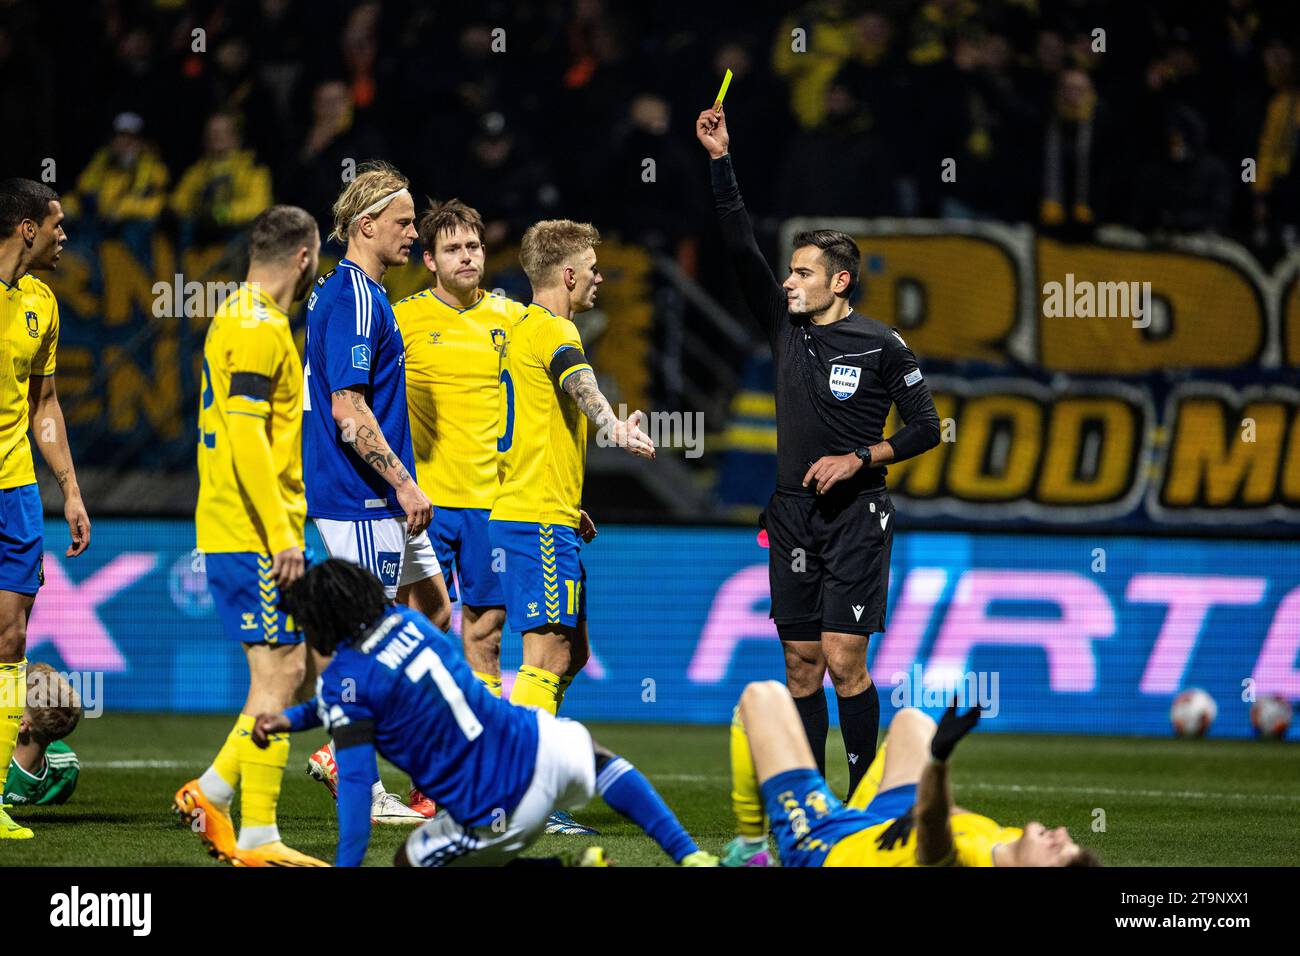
1166, 802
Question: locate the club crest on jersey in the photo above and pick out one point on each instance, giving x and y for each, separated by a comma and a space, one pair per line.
844, 380
499, 340
33, 325
361, 357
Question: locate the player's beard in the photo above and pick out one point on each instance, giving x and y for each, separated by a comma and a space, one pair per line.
302, 285
799, 304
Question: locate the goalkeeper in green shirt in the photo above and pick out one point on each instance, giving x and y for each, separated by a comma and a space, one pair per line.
44, 769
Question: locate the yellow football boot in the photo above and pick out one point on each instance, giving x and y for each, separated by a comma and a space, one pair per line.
275, 854
203, 817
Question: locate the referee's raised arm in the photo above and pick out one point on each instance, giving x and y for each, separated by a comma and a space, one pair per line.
763, 294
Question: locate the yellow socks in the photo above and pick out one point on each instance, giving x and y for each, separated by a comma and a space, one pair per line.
262, 772
13, 698
493, 684
535, 687
565, 681
745, 799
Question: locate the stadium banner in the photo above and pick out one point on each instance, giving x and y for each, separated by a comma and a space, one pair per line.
1124, 384
1054, 634
134, 308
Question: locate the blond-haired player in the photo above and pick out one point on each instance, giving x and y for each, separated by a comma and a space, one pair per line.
357, 453
249, 524
550, 393
31, 237
44, 770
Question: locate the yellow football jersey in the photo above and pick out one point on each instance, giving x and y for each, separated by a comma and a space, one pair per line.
974, 837
249, 334
453, 366
543, 443
29, 338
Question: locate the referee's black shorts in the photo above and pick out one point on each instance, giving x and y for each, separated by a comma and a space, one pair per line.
828, 563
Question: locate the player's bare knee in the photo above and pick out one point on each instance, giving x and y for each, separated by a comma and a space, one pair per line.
761, 694
912, 723
13, 638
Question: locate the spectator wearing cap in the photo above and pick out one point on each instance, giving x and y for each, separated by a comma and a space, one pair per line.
226, 188
125, 182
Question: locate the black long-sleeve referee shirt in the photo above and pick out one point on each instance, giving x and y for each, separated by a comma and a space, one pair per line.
834, 383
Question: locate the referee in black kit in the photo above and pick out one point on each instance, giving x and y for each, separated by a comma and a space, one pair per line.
829, 523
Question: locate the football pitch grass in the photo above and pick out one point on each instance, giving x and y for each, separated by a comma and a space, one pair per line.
1162, 802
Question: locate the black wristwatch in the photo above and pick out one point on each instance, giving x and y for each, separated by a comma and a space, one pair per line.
864, 454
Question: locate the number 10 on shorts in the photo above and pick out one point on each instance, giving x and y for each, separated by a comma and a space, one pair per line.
574, 589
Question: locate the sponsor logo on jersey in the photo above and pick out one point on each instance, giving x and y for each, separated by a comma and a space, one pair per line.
912, 377
532, 609
844, 380
250, 621
361, 357
857, 611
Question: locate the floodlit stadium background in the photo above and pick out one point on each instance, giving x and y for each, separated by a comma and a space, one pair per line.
1111, 517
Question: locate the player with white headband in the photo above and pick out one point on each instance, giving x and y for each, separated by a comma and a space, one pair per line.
358, 460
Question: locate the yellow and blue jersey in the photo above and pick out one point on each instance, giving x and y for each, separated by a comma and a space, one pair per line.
453, 366
974, 837
29, 339
543, 443
249, 341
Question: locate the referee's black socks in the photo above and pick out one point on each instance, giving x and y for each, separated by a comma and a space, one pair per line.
816, 723
860, 726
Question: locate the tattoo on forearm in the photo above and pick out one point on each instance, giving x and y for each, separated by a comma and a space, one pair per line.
61, 476
582, 387
368, 442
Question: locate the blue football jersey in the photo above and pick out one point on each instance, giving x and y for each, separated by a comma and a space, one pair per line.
352, 340
432, 718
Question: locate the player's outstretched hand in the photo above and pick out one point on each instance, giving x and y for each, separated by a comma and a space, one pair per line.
267, 724
416, 504
74, 510
952, 728
586, 527
629, 436
288, 566
711, 131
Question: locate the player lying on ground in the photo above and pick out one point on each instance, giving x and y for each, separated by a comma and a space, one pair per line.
397, 686
44, 769
901, 814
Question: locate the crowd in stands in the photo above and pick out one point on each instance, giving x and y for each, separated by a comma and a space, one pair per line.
1166, 116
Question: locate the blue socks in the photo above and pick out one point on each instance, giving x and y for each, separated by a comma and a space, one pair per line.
627, 790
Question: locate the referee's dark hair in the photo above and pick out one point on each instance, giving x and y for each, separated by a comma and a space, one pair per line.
23, 199
334, 603
839, 252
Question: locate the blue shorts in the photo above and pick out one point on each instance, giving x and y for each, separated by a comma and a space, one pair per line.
248, 599
808, 820
22, 540
460, 540
544, 580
